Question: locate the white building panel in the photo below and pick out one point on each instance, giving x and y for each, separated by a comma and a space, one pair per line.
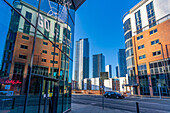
162, 8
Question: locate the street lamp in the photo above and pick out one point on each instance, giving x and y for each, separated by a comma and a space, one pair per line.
167, 50
166, 77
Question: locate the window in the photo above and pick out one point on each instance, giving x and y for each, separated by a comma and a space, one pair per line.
44, 51
156, 53
138, 22
46, 33
39, 70
26, 24
24, 47
52, 53
142, 70
129, 52
141, 47
56, 46
68, 51
128, 35
127, 25
142, 57
57, 32
153, 31
128, 44
43, 60
151, 14
25, 37
45, 43
159, 67
55, 62
139, 37
23, 56
66, 33
155, 42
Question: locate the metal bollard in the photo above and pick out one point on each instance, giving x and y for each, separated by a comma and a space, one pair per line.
137, 107
13, 104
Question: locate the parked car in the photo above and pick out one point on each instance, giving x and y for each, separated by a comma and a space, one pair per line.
111, 94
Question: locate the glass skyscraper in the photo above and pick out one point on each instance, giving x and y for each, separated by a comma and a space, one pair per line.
122, 68
81, 61
117, 71
98, 64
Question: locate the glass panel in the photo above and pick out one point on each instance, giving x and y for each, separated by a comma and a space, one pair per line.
13, 58
15, 71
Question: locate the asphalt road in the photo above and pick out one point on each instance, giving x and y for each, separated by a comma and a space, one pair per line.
146, 105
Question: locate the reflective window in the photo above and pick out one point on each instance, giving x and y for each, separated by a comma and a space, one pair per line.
130, 62
153, 31
45, 43
127, 25
23, 56
138, 22
55, 62
129, 52
155, 42
151, 14
141, 47
25, 37
26, 24
52, 53
142, 57
44, 60
55, 27
128, 35
24, 47
142, 70
139, 37
44, 51
156, 53
128, 44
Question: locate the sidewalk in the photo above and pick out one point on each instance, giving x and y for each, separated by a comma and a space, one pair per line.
80, 108
149, 97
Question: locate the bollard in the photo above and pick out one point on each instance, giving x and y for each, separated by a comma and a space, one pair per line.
137, 107
13, 104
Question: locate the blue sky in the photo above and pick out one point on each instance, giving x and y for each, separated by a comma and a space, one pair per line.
101, 22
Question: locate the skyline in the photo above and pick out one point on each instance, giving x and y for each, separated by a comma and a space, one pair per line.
92, 27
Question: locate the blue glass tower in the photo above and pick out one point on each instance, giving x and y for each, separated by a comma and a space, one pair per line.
98, 64
122, 63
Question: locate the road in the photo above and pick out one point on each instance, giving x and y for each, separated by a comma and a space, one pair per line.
146, 105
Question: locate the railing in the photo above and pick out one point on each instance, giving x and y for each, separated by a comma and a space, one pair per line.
125, 15
163, 19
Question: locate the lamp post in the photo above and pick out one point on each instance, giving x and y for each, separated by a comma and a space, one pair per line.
166, 77
167, 50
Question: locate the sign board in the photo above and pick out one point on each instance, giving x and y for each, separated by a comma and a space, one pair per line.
104, 75
7, 87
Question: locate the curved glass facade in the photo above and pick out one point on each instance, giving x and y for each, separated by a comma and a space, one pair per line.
129, 54
36, 53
